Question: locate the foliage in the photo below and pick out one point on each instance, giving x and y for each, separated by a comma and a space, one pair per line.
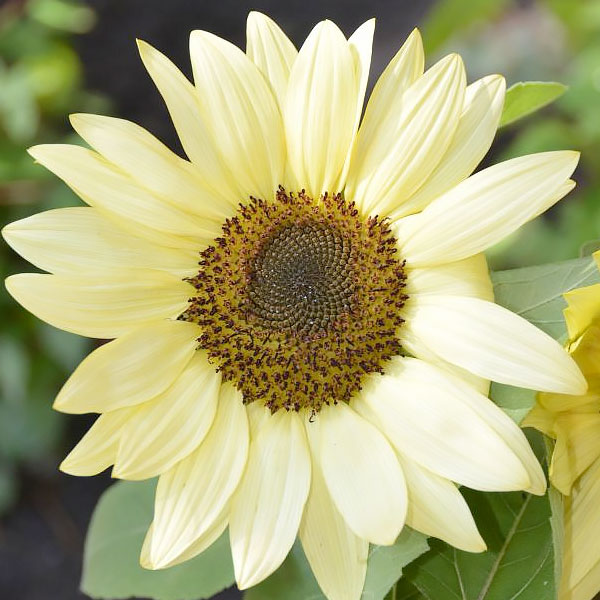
113, 546
526, 97
40, 81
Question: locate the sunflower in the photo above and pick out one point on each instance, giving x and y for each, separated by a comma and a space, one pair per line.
303, 321
574, 422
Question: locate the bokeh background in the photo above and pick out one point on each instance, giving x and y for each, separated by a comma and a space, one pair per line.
63, 56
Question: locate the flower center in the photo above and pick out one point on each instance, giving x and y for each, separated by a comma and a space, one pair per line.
301, 280
299, 300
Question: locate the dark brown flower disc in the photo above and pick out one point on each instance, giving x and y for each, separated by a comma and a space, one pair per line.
299, 300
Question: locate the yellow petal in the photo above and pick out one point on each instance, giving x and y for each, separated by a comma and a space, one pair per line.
109, 189
105, 307
271, 51
581, 556
414, 140
320, 109
362, 473
492, 342
97, 449
473, 137
168, 428
543, 420
485, 208
81, 240
135, 368
583, 308
192, 498
239, 107
267, 507
577, 447
337, 557
151, 164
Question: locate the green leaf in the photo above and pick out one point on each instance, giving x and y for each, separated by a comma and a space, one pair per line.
294, 579
526, 97
111, 568
535, 293
519, 563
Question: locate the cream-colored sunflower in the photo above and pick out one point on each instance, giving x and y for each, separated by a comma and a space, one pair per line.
305, 326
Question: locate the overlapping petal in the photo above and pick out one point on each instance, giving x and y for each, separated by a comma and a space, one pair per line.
102, 307
337, 556
183, 105
240, 109
320, 109
473, 137
132, 369
80, 240
192, 499
492, 342
362, 474
151, 164
485, 208
166, 429
267, 507
106, 187
271, 51
411, 142
97, 449
431, 501
426, 415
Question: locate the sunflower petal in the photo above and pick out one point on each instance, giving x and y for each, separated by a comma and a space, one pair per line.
106, 307
81, 240
485, 208
133, 369
151, 164
107, 188
577, 447
165, 430
386, 99
412, 142
337, 557
192, 497
362, 473
97, 449
271, 51
267, 507
493, 342
207, 539
424, 414
361, 46
181, 99
473, 137
320, 109
431, 499
231, 90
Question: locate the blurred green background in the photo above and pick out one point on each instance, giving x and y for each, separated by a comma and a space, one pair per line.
52, 55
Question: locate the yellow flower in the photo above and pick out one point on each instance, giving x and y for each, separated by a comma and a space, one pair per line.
574, 422
323, 371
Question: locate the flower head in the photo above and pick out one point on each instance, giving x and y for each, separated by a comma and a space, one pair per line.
574, 422
303, 318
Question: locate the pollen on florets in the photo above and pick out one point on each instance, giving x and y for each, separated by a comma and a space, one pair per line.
299, 299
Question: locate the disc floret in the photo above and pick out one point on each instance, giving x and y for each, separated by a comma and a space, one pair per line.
299, 299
